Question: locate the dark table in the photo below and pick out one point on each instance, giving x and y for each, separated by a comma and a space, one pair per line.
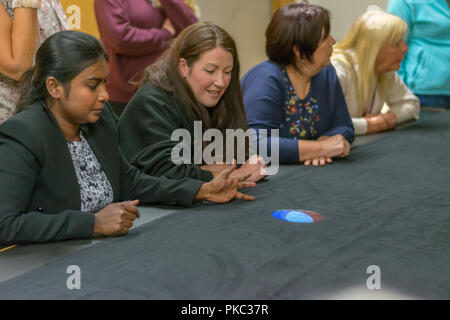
385, 234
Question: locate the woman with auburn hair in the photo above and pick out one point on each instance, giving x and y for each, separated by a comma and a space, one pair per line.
61, 170
297, 90
196, 80
366, 62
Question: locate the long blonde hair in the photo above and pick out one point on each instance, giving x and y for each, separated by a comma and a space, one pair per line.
370, 32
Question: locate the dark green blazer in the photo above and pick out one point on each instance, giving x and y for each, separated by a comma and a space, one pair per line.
145, 130
39, 192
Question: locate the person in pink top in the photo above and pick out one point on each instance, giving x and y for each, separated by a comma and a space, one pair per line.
24, 24
134, 34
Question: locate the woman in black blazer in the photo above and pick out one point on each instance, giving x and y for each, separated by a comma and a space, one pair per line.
62, 174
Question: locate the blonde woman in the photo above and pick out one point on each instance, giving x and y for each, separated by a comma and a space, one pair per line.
366, 61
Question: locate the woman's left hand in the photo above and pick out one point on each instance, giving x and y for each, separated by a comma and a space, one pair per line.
255, 168
319, 161
390, 118
224, 188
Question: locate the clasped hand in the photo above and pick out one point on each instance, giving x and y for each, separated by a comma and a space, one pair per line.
334, 146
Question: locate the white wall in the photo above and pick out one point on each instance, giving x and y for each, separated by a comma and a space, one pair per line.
345, 12
246, 21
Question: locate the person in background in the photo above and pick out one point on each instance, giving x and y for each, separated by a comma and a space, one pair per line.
134, 34
197, 79
24, 24
425, 69
297, 90
61, 170
366, 61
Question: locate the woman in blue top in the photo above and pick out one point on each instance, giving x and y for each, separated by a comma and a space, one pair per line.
297, 91
425, 67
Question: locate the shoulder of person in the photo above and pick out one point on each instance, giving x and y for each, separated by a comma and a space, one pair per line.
327, 74
31, 120
150, 101
266, 68
267, 74
31, 128
150, 92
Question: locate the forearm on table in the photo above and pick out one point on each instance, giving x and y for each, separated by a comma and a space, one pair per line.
406, 111
310, 149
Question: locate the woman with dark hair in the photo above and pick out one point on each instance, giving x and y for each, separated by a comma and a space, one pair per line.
194, 83
297, 91
61, 170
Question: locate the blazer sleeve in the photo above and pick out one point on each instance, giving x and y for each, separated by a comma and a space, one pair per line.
125, 38
145, 131
19, 175
263, 95
179, 13
157, 190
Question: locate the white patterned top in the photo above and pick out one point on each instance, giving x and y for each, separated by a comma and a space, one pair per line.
51, 20
95, 189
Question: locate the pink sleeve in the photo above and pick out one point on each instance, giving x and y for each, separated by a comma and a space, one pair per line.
179, 13
124, 38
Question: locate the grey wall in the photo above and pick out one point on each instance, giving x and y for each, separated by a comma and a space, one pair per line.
246, 21
345, 12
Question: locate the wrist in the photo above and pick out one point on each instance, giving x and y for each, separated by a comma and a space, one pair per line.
97, 225
33, 4
203, 193
375, 124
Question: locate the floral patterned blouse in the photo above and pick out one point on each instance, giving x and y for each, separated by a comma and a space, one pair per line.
51, 20
271, 102
95, 189
300, 115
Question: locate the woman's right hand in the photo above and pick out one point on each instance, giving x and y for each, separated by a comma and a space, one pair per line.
255, 168
224, 188
381, 122
334, 146
116, 218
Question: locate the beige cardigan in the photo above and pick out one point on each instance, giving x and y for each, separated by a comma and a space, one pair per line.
401, 101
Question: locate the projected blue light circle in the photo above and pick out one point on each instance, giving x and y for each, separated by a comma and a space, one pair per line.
297, 216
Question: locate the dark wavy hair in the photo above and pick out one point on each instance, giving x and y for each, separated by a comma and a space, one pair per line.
63, 56
299, 25
190, 44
